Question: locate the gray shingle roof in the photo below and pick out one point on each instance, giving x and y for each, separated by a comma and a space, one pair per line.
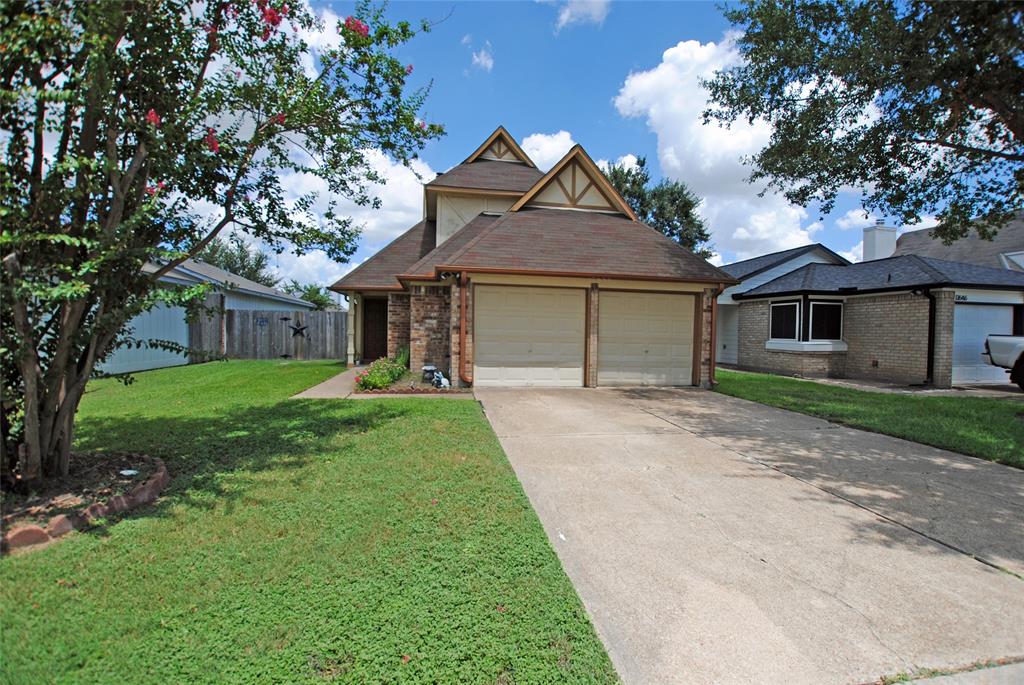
379, 271
749, 267
893, 273
200, 271
970, 249
486, 174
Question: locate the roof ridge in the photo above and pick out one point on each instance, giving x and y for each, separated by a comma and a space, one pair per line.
928, 268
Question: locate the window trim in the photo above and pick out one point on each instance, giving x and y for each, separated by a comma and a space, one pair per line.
842, 322
771, 313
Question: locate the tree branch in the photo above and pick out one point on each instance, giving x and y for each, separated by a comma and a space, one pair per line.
969, 148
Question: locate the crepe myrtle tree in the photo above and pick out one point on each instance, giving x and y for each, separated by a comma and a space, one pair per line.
119, 120
918, 103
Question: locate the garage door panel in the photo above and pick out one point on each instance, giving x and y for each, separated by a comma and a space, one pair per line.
972, 324
528, 336
645, 339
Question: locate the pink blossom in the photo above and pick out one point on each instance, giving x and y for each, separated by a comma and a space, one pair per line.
153, 118
211, 140
285, 10
357, 26
266, 33
279, 119
153, 190
423, 125
238, 73
408, 69
271, 17
232, 11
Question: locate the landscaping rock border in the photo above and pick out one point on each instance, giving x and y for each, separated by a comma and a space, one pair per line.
62, 524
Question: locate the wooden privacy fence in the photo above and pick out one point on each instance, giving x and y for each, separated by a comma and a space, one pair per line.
265, 334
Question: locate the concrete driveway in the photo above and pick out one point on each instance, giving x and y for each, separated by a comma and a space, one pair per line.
715, 540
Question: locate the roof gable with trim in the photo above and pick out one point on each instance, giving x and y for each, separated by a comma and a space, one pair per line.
500, 146
575, 182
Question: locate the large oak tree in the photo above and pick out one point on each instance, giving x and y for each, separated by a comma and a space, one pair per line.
920, 105
120, 119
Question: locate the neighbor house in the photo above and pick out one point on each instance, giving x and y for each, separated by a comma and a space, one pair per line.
905, 319
164, 322
515, 277
1004, 251
754, 272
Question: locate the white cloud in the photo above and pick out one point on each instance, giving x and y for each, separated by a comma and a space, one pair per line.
628, 161
467, 39
709, 158
716, 259
855, 253
582, 12
547, 148
483, 59
856, 218
327, 37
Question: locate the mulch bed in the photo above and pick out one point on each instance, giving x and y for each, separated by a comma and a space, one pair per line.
92, 478
411, 385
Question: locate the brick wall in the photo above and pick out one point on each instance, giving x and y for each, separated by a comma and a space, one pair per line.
753, 332
704, 301
887, 337
430, 327
398, 322
594, 317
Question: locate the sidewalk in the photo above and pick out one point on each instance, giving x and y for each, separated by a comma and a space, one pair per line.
335, 388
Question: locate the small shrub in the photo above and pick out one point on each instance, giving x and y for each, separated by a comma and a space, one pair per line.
381, 373
402, 358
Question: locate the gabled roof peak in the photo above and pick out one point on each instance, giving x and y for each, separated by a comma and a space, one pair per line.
500, 146
575, 182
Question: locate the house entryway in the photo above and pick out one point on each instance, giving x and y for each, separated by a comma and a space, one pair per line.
375, 328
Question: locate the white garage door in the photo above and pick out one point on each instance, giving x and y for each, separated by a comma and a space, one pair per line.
645, 339
971, 325
528, 336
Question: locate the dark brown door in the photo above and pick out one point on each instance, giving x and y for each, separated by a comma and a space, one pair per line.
375, 329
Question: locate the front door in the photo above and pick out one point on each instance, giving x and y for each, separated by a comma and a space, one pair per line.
375, 329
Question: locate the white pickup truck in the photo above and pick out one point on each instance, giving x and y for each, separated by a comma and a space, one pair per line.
1007, 351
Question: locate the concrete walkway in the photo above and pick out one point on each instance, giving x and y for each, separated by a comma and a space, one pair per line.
715, 540
334, 388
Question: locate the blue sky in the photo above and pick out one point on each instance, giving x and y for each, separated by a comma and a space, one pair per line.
621, 78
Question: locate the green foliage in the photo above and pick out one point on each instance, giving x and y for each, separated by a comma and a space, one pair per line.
120, 120
311, 292
918, 103
989, 428
668, 206
298, 542
236, 256
381, 373
402, 358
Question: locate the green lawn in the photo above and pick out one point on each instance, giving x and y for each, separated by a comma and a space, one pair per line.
299, 541
990, 428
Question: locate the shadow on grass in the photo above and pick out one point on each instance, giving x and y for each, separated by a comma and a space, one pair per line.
201, 452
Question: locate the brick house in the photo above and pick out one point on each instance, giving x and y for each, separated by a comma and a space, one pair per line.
518, 277
906, 319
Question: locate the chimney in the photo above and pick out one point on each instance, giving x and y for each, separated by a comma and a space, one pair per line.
879, 241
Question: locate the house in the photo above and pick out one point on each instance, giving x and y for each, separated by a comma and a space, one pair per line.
1005, 251
754, 272
169, 323
905, 319
515, 277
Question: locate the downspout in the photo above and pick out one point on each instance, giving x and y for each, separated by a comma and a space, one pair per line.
930, 380
462, 329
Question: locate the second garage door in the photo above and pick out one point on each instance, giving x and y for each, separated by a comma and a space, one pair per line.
972, 324
528, 336
645, 339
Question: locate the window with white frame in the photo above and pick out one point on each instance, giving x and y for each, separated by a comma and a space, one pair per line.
785, 321
826, 321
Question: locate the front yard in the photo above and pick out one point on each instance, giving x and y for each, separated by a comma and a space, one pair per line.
990, 428
299, 541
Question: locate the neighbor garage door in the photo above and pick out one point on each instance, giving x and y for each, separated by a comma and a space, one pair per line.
972, 323
645, 339
528, 336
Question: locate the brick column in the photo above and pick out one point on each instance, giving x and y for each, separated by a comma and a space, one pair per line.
705, 300
593, 316
429, 327
455, 354
942, 370
398, 322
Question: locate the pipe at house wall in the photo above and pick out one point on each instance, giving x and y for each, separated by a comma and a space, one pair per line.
462, 329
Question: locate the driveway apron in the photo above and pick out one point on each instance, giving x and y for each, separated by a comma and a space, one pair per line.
715, 540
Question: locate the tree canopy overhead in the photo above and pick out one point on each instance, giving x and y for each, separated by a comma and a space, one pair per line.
120, 119
234, 255
668, 206
919, 105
